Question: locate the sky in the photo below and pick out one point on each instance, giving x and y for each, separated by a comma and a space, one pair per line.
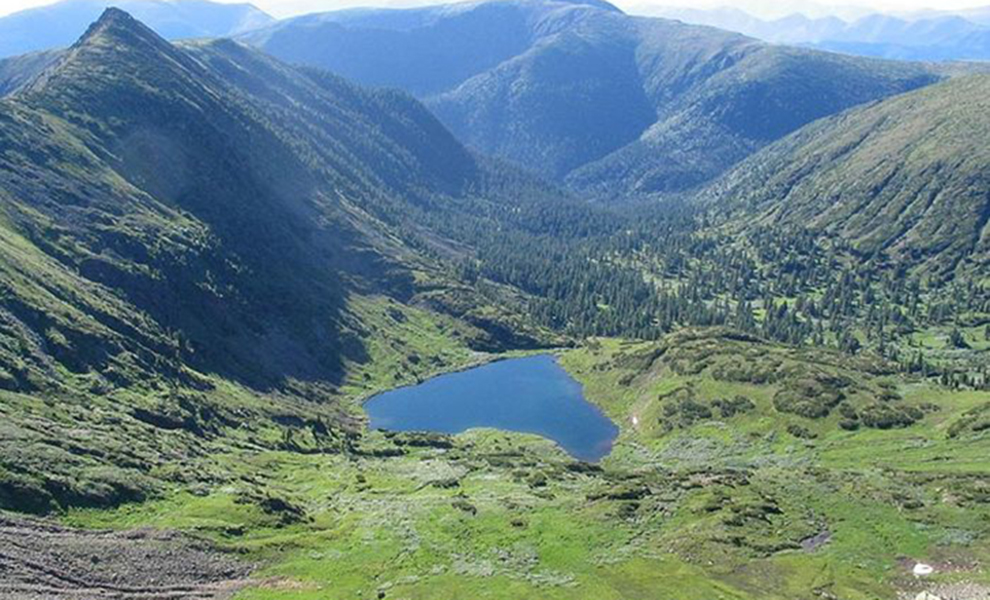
283, 8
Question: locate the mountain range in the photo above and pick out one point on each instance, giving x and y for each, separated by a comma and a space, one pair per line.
366, 192
587, 95
925, 36
609, 105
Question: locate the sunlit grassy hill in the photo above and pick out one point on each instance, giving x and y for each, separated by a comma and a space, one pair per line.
904, 181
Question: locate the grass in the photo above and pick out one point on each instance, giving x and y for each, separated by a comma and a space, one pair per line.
723, 508
405, 345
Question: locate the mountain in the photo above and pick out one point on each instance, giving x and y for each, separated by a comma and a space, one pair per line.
764, 10
209, 259
198, 238
938, 36
979, 15
58, 25
795, 28
904, 181
942, 39
609, 103
19, 70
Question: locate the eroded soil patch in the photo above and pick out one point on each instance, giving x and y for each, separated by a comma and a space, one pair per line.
40, 560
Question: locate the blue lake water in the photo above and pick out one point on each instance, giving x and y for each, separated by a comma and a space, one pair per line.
529, 395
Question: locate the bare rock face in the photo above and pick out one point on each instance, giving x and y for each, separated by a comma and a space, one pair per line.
43, 561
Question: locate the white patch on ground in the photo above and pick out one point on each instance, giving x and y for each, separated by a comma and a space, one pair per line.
960, 590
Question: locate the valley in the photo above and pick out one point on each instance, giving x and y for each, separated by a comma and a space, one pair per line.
270, 334
716, 489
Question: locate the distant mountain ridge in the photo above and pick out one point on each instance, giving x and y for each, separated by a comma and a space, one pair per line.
927, 36
17, 71
613, 105
58, 25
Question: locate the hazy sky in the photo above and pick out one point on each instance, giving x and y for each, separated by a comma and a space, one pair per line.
290, 7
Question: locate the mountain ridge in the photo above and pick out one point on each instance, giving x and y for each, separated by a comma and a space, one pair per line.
922, 37
256, 179
58, 25
600, 100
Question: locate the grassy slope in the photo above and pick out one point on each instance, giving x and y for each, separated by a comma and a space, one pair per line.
714, 509
905, 177
884, 495
18, 70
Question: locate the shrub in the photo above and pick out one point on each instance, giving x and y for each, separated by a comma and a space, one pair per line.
800, 432
973, 421
958, 340
885, 416
681, 409
849, 424
810, 398
730, 407
694, 411
24, 494
848, 411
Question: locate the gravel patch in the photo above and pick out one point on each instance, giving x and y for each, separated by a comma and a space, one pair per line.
40, 560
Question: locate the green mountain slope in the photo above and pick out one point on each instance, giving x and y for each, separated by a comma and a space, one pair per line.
904, 180
19, 70
182, 142
610, 103
202, 240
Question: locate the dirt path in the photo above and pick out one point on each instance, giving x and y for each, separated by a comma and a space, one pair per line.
43, 561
